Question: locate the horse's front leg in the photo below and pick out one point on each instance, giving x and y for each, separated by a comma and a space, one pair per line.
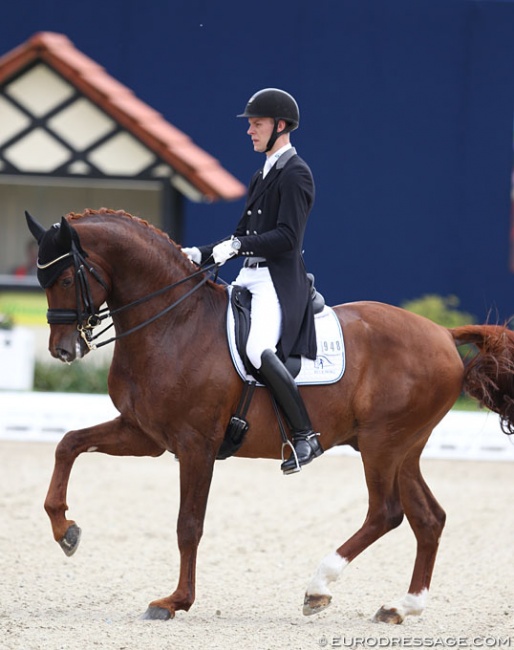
115, 437
196, 468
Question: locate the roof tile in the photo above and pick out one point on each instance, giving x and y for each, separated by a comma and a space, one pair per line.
172, 145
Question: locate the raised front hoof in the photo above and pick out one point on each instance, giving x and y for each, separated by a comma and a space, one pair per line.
70, 542
315, 604
391, 616
157, 614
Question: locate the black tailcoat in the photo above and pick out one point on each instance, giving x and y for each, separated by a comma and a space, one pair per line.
273, 226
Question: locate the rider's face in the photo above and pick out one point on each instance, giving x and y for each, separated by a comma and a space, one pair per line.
260, 130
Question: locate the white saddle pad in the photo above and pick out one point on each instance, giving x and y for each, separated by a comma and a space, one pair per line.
329, 365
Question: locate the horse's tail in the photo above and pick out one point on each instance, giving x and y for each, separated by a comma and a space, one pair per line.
489, 374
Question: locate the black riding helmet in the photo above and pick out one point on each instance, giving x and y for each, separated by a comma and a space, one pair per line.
277, 104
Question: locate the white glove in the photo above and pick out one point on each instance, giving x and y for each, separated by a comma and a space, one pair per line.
223, 252
193, 254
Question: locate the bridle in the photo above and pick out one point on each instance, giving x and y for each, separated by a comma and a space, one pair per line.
87, 317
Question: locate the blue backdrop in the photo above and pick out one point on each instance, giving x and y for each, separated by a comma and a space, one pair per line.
406, 122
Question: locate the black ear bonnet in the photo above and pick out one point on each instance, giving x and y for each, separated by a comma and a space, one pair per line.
57, 248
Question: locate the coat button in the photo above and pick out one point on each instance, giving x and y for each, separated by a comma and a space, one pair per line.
249, 212
259, 211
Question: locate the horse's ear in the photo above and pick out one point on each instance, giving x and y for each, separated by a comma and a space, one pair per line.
35, 228
65, 236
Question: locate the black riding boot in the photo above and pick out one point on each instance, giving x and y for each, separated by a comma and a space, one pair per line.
305, 442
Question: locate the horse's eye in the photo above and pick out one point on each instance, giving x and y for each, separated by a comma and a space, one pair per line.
66, 282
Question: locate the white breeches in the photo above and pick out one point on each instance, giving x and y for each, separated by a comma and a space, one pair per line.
266, 315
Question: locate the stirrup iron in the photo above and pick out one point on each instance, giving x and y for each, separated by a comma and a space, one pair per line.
298, 468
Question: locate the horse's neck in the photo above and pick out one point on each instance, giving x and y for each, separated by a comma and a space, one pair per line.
139, 266
140, 262
139, 270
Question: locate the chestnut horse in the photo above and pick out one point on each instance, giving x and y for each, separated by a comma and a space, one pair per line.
174, 385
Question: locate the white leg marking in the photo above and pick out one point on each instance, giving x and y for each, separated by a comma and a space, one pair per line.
328, 571
410, 604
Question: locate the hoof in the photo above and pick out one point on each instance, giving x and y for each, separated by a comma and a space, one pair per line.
391, 616
315, 604
157, 614
70, 542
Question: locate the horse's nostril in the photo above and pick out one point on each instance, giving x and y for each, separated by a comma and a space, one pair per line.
63, 354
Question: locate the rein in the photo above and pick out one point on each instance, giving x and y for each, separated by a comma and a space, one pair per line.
89, 317
86, 332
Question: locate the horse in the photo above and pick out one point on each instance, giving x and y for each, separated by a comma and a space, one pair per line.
173, 382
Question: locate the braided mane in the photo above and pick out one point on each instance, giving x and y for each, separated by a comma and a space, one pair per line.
109, 212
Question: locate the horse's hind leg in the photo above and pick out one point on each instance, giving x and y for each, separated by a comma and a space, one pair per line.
384, 513
114, 437
427, 519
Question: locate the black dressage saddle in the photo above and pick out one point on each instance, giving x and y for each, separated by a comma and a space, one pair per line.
241, 300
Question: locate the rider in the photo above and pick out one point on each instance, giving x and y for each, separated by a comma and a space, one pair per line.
269, 236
